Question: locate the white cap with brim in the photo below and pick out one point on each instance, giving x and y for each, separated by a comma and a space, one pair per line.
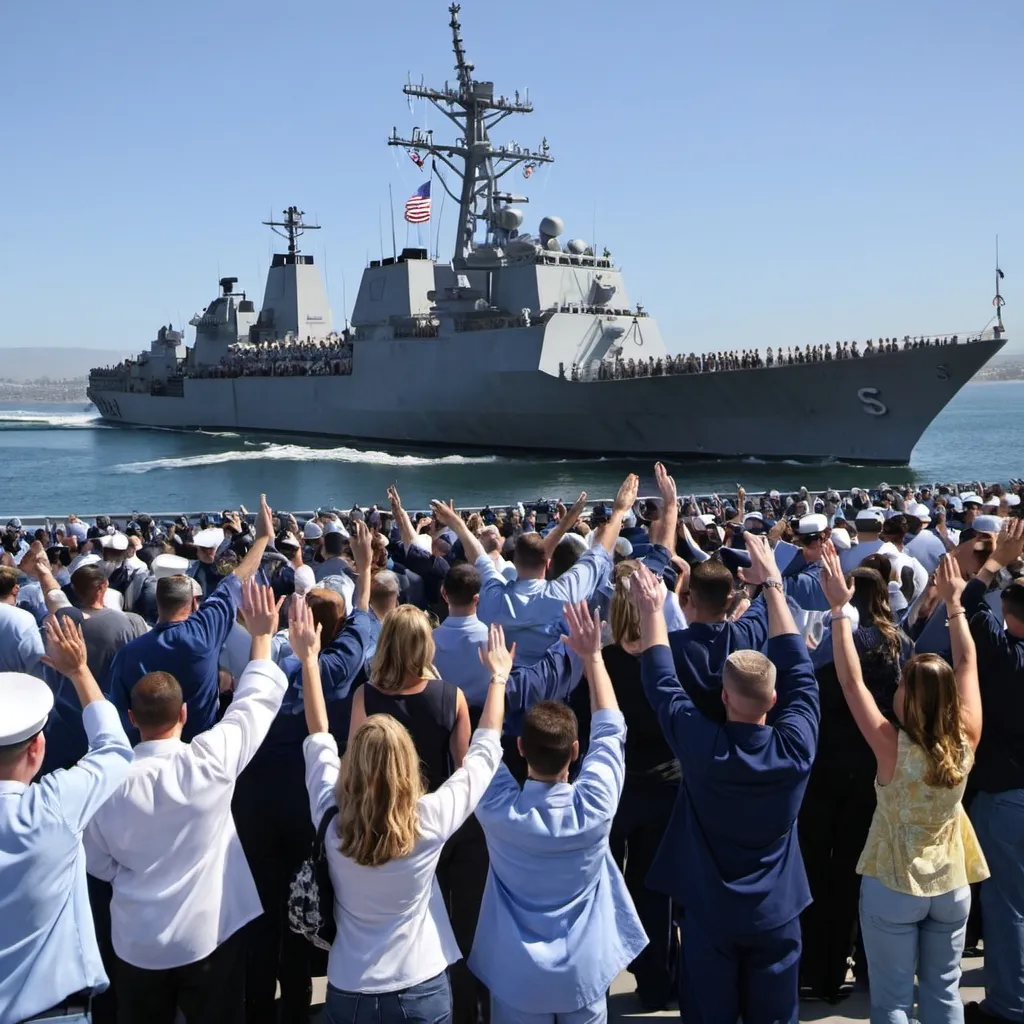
988, 524
80, 561
992, 502
1013, 500
970, 498
841, 539
922, 512
212, 538
305, 581
25, 705
623, 548
754, 515
703, 522
312, 531
869, 516
169, 565
815, 523
116, 541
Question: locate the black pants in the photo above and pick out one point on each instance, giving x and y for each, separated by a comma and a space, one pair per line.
104, 1005
639, 825
271, 811
833, 827
462, 875
210, 991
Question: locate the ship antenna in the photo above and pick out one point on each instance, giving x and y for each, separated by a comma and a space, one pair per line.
291, 227
998, 301
474, 110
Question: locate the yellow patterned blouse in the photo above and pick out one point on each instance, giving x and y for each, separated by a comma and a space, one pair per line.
921, 842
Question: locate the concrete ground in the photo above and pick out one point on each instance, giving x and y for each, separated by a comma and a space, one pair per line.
623, 1005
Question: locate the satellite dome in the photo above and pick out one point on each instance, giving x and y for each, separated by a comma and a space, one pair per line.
510, 218
552, 226
577, 247
552, 245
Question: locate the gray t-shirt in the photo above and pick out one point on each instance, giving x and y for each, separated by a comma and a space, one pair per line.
106, 632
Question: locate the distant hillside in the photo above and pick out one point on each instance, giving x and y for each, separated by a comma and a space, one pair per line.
23, 364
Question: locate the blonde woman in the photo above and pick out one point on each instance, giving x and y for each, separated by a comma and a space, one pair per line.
394, 941
921, 854
405, 684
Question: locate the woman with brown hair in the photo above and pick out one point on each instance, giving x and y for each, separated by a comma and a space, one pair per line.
921, 853
394, 941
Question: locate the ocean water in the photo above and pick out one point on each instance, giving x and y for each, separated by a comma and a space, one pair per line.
58, 459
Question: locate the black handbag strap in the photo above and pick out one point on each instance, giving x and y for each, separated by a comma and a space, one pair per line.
321, 833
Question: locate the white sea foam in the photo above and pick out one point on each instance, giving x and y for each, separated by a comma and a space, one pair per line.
13, 419
299, 453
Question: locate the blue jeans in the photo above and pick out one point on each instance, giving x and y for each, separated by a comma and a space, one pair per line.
999, 821
907, 934
429, 1002
596, 1013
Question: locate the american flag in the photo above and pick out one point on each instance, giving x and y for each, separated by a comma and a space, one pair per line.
417, 207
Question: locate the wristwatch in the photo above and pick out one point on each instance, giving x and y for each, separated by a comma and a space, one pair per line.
774, 581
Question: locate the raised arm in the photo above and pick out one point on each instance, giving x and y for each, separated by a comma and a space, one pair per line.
260, 613
362, 553
880, 734
764, 570
304, 637
585, 639
950, 585
405, 528
1009, 548
624, 501
564, 525
447, 516
249, 565
663, 531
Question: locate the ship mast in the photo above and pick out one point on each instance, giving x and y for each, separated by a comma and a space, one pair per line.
293, 227
474, 110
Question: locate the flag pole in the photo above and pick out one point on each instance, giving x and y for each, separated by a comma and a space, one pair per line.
394, 244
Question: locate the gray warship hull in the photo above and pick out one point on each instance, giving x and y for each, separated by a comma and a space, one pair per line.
495, 390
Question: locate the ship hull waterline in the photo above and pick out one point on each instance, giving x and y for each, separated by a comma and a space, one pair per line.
867, 410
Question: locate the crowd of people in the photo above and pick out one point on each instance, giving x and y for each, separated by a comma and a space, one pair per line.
471, 766
751, 359
310, 358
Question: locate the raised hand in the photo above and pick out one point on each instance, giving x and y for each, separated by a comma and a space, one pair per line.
762, 560
264, 520
496, 658
833, 579
579, 504
259, 609
303, 632
362, 545
394, 498
584, 630
1010, 542
626, 498
445, 514
666, 485
949, 583
647, 592
65, 646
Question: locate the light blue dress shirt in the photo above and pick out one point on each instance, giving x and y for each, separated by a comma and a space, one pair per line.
48, 946
530, 611
556, 923
21, 644
457, 643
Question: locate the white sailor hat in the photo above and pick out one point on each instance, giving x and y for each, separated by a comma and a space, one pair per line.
970, 498
988, 524
1013, 500
424, 542
117, 541
169, 565
922, 512
288, 539
870, 515
312, 531
304, 580
25, 704
701, 523
211, 538
333, 527
80, 561
753, 515
841, 539
992, 502
812, 524
623, 548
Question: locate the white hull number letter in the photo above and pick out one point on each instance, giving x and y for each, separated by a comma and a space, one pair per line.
869, 399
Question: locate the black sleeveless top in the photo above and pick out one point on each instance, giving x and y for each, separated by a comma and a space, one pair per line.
430, 718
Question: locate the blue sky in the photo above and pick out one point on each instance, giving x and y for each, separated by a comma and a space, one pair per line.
765, 172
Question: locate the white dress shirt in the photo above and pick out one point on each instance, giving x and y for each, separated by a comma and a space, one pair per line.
167, 841
393, 928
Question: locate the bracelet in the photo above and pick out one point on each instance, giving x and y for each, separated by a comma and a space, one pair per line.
774, 581
838, 615
954, 615
498, 680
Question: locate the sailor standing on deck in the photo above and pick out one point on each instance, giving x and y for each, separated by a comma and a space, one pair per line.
49, 959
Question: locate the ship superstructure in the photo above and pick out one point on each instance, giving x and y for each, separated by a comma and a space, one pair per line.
524, 339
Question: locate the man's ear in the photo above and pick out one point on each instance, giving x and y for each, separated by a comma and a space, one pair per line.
131, 718
575, 751
519, 746
183, 714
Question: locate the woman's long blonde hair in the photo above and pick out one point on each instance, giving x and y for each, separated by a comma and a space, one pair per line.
377, 792
623, 616
405, 650
931, 718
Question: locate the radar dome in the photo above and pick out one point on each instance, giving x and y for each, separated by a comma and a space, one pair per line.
552, 226
510, 218
552, 245
577, 247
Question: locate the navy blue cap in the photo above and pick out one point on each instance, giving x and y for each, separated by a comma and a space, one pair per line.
601, 512
735, 558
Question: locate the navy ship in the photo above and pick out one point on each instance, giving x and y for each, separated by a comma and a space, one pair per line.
523, 341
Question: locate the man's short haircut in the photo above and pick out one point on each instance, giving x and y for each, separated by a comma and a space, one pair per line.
490, 539
549, 731
749, 675
1013, 601
711, 586
529, 551
334, 544
8, 580
173, 593
156, 701
384, 584
87, 580
462, 584
11, 752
